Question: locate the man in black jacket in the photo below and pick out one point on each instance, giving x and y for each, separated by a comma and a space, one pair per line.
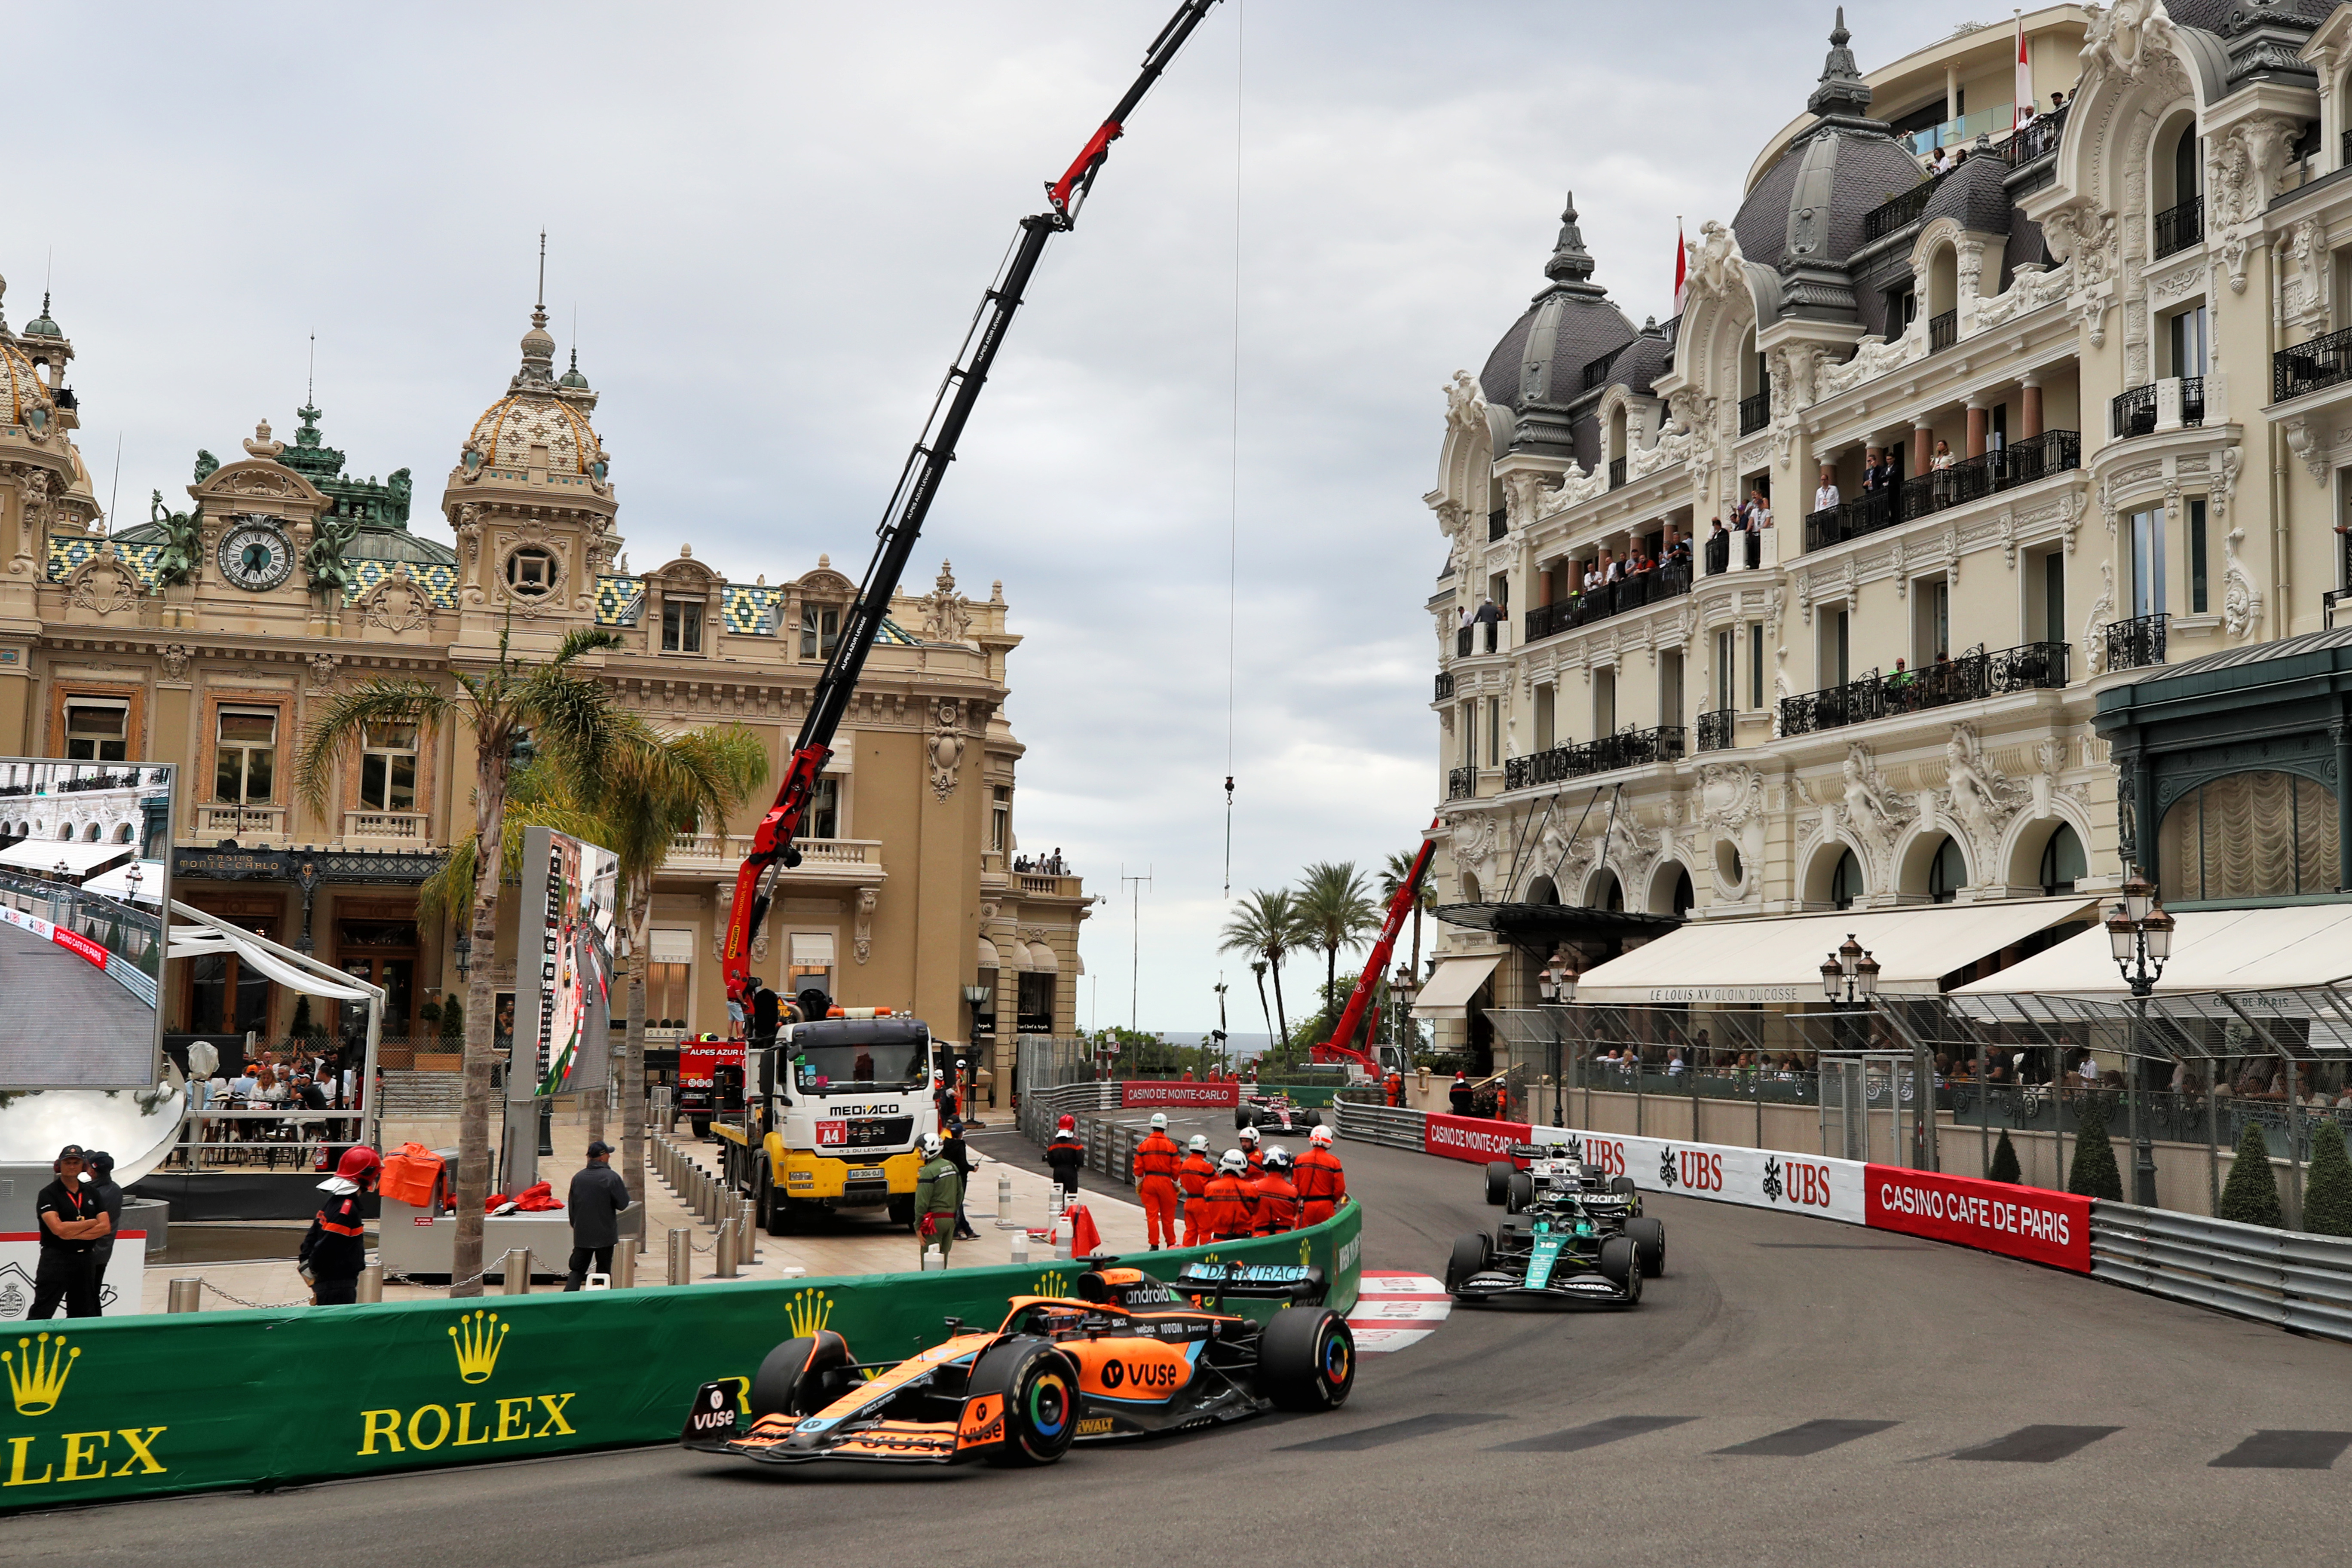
597, 1197
335, 1250
71, 1223
100, 1167
957, 1152
1066, 1155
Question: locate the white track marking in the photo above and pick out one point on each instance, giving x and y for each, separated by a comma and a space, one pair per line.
1395, 1309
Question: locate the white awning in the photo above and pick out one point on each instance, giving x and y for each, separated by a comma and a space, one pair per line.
1448, 993
1041, 960
2212, 950
1779, 959
80, 860
989, 958
811, 949
670, 946
194, 941
116, 883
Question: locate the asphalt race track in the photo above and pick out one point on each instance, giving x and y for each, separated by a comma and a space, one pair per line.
65, 1019
1793, 1391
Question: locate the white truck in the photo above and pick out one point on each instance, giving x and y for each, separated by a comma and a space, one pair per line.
834, 1118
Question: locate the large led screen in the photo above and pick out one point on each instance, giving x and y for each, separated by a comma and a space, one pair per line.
563, 976
85, 861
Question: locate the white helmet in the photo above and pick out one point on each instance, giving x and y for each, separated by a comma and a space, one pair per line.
1249, 1134
931, 1145
1320, 1137
1200, 1144
1234, 1160
1159, 1121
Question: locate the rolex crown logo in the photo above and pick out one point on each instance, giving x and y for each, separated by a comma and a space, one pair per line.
1053, 1283
810, 1312
477, 1335
37, 1373
1306, 1253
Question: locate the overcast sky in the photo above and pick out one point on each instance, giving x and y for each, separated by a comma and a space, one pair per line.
774, 222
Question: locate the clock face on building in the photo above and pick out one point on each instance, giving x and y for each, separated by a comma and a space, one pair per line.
255, 556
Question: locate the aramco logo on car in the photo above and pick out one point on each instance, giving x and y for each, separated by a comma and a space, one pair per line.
476, 1338
39, 1370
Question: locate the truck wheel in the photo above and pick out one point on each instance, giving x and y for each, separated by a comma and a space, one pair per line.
1039, 1386
702, 1126
801, 1377
1519, 1192
902, 1210
785, 1217
1498, 1178
1471, 1254
1306, 1359
1649, 1239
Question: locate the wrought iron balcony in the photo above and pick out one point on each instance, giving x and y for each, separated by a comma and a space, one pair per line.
2308, 367
1626, 748
1499, 523
2177, 228
2192, 400
2137, 643
2037, 139
1971, 677
1654, 586
1445, 686
1616, 473
1478, 637
1461, 783
2132, 413
1943, 330
1898, 212
1718, 554
1714, 729
1755, 413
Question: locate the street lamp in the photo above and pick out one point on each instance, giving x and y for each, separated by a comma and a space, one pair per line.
1556, 987
2140, 934
464, 951
1850, 975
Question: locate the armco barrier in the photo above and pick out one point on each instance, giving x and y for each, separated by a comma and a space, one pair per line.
2288, 1278
108, 1408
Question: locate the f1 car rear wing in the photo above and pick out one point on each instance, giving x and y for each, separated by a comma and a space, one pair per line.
1302, 1285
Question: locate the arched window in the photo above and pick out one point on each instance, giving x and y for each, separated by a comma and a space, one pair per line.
1606, 893
2187, 176
89, 835
64, 834
1947, 873
2063, 862
1542, 891
1845, 882
1469, 888
1679, 903
2253, 835
122, 833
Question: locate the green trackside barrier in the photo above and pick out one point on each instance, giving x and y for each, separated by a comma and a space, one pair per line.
107, 1408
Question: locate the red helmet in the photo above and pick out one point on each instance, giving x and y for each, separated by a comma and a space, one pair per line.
359, 1162
1068, 1124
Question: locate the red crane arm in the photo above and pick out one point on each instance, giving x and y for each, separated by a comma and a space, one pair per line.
1341, 1046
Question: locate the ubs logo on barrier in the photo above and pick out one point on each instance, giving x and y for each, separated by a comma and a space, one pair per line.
1803, 1183
476, 1338
1693, 1170
38, 1369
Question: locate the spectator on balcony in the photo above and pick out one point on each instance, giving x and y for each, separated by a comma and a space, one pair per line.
1638, 567
1756, 511
2057, 101
1942, 466
1826, 496
1878, 472
1488, 616
1937, 163
1678, 566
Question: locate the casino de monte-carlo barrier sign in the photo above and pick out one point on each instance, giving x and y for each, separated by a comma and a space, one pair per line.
99, 1409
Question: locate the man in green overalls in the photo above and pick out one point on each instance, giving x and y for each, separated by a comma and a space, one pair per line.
939, 1190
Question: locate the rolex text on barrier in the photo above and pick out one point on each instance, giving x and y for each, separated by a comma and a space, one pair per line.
2031, 1223
103, 1408
1759, 1178
1146, 1093
1470, 1138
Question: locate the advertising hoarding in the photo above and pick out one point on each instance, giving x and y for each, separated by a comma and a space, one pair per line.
563, 969
1760, 1178
2031, 1223
1154, 1092
85, 871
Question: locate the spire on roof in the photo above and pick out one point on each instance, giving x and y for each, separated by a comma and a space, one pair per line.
1571, 262
1842, 88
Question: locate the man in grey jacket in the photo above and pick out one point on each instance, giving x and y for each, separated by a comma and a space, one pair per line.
596, 1200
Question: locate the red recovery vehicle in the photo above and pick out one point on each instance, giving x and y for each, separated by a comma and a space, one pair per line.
773, 851
1373, 1059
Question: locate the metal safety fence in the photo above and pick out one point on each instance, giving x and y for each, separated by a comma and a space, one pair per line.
2286, 1279
1359, 1114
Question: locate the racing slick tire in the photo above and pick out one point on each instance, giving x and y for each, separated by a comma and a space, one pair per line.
1316, 1117
1498, 1178
1621, 1264
1649, 1239
1039, 1386
1306, 1359
1519, 1192
1471, 1254
1244, 1117
801, 1377
1623, 1186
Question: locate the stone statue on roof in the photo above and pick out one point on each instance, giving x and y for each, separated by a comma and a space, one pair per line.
183, 540
329, 572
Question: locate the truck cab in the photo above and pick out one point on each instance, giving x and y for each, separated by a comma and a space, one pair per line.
836, 1112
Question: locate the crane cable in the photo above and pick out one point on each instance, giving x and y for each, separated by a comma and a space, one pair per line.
1233, 456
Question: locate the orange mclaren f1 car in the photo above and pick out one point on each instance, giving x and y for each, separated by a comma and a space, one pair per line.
1127, 1357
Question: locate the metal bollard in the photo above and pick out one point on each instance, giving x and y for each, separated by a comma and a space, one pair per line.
1004, 1220
1020, 1247
516, 1278
706, 1197
1061, 1250
747, 1232
724, 1249
681, 1257
187, 1296
371, 1286
625, 1264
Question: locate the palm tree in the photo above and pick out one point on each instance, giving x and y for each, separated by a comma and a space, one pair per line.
1266, 926
1392, 877
1336, 911
567, 717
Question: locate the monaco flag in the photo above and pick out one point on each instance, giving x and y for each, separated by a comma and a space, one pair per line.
1682, 264
2024, 76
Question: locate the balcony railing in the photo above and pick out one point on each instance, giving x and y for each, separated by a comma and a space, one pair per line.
1461, 783
2177, 228
2343, 157
1616, 473
2036, 140
1716, 555
2136, 643
1755, 413
1479, 636
1499, 523
2132, 413
1445, 686
2192, 400
1898, 212
1714, 729
1943, 330
2308, 367
1652, 587
100, 781
816, 854
1626, 748
1971, 677
235, 821
396, 826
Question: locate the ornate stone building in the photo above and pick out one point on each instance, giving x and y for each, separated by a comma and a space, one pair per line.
2104, 363
207, 636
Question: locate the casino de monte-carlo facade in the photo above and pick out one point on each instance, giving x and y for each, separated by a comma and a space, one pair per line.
207, 634
2130, 327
